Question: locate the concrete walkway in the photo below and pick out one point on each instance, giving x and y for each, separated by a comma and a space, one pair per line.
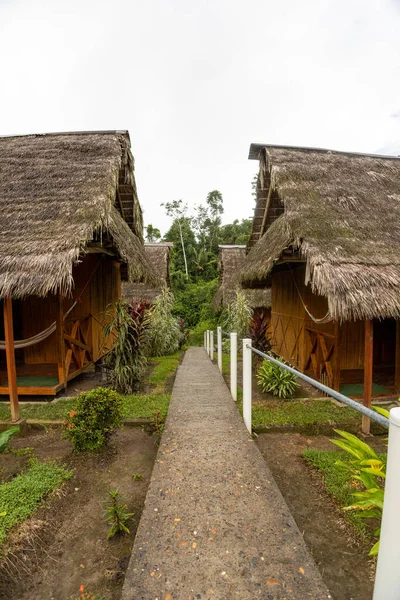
215, 525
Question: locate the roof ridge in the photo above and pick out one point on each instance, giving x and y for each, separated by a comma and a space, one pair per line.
255, 149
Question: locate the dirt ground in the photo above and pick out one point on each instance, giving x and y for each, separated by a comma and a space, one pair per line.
342, 560
64, 545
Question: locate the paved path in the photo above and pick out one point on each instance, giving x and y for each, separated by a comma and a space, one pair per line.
215, 525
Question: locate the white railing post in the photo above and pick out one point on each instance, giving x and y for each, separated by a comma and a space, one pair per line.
212, 345
234, 366
387, 579
208, 342
247, 383
205, 340
219, 347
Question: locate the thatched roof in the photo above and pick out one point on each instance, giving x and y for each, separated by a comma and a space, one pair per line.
340, 213
58, 193
230, 261
159, 256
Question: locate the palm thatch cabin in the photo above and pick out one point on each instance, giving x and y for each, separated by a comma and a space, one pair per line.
159, 256
326, 234
230, 262
70, 231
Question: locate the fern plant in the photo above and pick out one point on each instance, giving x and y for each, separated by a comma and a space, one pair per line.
275, 380
126, 325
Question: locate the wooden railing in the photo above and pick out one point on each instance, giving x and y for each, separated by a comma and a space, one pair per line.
321, 358
78, 344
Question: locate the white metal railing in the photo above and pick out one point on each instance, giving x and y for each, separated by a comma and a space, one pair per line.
387, 579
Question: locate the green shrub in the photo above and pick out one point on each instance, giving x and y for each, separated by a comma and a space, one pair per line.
95, 417
196, 335
5, 436
193, 302
116, 514
275, 380
163, 335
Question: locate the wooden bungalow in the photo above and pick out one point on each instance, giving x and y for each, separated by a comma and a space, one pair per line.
326, 235
159, 256
230, 261
70, 231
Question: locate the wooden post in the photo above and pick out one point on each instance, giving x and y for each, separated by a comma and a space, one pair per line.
397, 360
368, 368
62, 378
336, 367
10, 357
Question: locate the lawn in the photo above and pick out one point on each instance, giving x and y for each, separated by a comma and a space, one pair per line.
135, 406
299, 411
302, 412
164, 368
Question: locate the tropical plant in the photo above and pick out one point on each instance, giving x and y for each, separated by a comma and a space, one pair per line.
237, 315
116, 514
95, 417
258, 329
369, 473
163, 334
5, 437
275, 380
126, 325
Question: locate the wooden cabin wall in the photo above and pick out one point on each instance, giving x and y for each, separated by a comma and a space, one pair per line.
287, 316
104, 288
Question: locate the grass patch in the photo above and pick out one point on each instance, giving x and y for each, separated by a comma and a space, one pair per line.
21, 496
302, 412
143, 407
133, 407
165, 367
338, 483
52, 410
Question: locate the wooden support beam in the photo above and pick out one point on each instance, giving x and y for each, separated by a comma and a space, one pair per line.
10, 357
62, 375
368, 371
397, 360
336, 367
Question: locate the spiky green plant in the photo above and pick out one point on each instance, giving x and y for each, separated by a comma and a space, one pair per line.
163, 334
275, 380
126, 360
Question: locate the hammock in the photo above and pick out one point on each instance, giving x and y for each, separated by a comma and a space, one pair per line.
326, 319
39, 337
42, 335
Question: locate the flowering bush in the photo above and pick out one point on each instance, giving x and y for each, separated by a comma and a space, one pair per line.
97, 414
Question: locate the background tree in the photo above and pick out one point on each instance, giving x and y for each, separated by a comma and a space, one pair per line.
178, 211
152, 233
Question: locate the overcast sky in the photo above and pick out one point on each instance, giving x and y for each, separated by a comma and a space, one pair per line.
196, 81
